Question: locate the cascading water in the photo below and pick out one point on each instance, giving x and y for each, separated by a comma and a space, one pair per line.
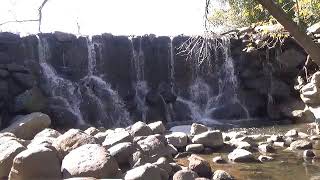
141, 87
56, 85
93, 101
202, 102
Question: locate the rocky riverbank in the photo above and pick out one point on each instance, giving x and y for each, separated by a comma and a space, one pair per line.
29, 149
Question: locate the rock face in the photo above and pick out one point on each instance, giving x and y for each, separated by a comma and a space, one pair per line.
146, 172
200, 166
90, 160
185, 175
211, 139
36, 163
8, 151
240, 155
72, 139
26, 127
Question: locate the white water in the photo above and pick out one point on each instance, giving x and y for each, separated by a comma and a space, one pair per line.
57, 85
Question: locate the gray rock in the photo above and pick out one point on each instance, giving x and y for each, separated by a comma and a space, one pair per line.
140, 129
301, 144
92, 131
185, 175
154, 145
292, 133
308, 154
26, 127
122, 152
177, 139
164, 164
173, 150
210, 139
195, 148
157, 127
117, 137
266, 148
49, 133
146, 172
64, 37
200, 166
218, 160
90, 160
36, 163
263, 158
71, 140
8, 151
198, 129
221, 175
241, 155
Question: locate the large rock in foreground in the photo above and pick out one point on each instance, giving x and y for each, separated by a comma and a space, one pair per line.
211, 139
8, 151
90, 160
147, 172
36, 163
72, 139
26, 127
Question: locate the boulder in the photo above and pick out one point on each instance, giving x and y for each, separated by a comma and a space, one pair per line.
240, 155
154, 145
173, 150
164, 164
263, 158
157, 127
292, 133
146, 172
198, 129
211, 139
92, 131
140, 129
308, 154
26, 127
177, 139
221, 175
185, 175
72, 139
301, 144
218, 160
122, 152
48, 133
117, 137
8, 151
200, 166
90, 160
266, 148
36, 163
195, 148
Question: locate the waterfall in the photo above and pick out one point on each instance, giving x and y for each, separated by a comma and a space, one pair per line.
141, 87
202, 102
56, 85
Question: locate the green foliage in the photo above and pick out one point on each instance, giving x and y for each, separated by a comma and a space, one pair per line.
248, 12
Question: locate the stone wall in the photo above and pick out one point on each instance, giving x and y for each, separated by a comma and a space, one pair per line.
153, 81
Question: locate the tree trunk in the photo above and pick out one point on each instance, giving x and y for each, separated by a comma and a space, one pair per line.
300, 36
